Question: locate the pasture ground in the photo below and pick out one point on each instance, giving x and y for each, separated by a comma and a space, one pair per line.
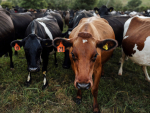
129, 93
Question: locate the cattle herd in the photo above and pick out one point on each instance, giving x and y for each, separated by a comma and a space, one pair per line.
89, 41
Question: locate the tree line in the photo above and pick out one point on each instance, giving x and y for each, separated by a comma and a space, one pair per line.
74, 4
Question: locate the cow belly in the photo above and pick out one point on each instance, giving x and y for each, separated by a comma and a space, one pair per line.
142, 57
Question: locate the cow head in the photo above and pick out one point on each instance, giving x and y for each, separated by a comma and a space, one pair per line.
33, 46
84, 53
103, 10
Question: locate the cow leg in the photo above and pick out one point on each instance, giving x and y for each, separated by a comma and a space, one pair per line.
10, 56
67, 61
56, 64
122, 61
45, 55
16, 53
44, 81
146, 73
97, 75
28, 79
6, 55
79, 97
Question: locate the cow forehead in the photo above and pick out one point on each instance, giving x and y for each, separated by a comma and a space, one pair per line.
32, 43
84, 46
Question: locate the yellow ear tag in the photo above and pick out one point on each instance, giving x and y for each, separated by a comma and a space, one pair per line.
105, 47
46, 44
44, 72
110, 10
96, 11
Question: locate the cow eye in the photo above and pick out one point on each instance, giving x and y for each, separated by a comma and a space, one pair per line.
94, 58
73, 56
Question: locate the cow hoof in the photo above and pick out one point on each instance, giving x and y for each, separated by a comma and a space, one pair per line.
44, 86
65, 66
27, 84
97, 112
12, 66
56, 65
78, 101
16, 53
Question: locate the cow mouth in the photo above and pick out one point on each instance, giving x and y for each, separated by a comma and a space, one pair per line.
83, 85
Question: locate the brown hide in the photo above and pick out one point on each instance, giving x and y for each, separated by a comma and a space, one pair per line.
137, 32
67, 18
90, 29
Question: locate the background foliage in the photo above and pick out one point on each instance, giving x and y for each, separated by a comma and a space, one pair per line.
121, 5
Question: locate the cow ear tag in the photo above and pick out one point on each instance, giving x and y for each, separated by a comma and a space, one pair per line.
96, 12
61, 48
16, 47
105, 47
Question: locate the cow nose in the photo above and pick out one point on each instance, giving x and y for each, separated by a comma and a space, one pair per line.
83, 86
33, 69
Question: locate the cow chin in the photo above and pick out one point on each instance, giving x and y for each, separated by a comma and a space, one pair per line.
83, 85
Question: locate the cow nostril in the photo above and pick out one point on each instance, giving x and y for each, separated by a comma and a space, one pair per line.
83, 85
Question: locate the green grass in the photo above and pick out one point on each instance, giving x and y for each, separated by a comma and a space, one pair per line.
129, 93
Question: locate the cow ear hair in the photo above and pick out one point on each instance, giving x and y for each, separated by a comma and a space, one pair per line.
107, 44
46, 43
19, 42
110, 9
66, 42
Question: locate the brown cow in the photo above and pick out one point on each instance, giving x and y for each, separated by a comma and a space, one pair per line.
136, 42
90, 45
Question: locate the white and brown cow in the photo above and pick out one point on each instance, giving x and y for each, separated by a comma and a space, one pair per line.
136, 42
90, 45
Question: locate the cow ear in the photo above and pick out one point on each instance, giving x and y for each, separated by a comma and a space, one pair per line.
110, 9
107, 44
96, 10
19, 42
46, 43
66, 42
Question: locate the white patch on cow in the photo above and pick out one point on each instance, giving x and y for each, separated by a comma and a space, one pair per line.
47, 30
69, 32
126, 26
43, 18
143, 17
148, 10
44, 81
28, 79
94, 14
125, 37
142, 57
84, 41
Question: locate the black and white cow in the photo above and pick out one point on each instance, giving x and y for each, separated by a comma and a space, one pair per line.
115, 21
38, 44
7, 34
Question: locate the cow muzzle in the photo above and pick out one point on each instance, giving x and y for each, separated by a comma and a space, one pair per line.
83, 85
33, 69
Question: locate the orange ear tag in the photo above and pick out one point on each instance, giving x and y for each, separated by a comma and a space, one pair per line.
61, 48
17, 47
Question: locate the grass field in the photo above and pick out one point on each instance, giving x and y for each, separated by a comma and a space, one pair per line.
129, 93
